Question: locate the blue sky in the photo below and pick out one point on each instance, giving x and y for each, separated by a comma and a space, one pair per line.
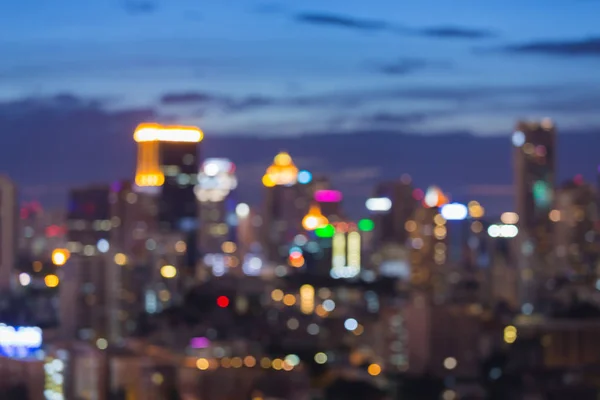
316, 66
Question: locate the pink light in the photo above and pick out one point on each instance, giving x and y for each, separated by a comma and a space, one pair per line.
328, 196
199, 343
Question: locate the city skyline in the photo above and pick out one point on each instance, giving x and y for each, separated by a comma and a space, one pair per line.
342, 69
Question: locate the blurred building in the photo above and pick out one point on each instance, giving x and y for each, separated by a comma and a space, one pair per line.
83, 294
8, 230
390, 226
576, 217
167, 168
215, 192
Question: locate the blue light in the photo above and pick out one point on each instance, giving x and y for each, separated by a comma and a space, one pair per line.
19, 342
304, 177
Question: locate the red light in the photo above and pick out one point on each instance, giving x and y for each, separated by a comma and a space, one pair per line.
222, 301
418, 194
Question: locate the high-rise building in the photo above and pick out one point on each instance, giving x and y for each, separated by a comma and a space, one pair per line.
534, 167
576, 216
389, 226
89, 225
167, 167
284, 207
8, 230
215, 192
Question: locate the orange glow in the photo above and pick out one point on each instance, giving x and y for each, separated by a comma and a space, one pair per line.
51, 281
148, 167
155, 132
60, 257
314, 218
281, 172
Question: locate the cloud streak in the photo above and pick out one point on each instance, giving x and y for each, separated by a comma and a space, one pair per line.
582, 47
371, 25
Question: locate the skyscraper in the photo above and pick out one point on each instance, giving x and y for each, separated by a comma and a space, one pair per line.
8, 229
576, 215
534, 167
167, 167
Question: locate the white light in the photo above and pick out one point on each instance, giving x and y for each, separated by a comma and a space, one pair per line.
329, 305
103, 245
345, 272
509, 231
242, 210
518, 139
454, 212
102, 343
24, 279
350, 324
494, 231
24, 337
292, 359
211, 169
320, 358
450, 363
379, 204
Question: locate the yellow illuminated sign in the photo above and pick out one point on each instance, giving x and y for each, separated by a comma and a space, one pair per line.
156, 132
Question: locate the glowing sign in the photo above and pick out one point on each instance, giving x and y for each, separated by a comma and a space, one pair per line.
19, 341
216, 180
307, 299
338, 251
542, 194
281, 172
379, 204
503, 231
54, 369
328, 196
156, 132
454, 212
149, 173
326, 231
354, 249
199, 343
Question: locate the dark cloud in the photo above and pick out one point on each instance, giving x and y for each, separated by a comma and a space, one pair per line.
583, 47
387, 118
136, 7
455, 32
341, 21
349, 22
405, 66
189, 98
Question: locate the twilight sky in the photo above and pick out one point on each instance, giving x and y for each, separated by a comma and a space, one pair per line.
75, 73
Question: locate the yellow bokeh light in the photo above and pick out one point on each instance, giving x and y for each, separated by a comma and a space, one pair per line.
202, 364
374, 369
277, 364
168, 271
439, 220
314, 219
267, 181
60, 257
289, 300
120, 259
265, 362
51, 281
277, 295
410, 226
180, 246
510, 334
228, 247
236, 362
475, 209
249, 361
282, 159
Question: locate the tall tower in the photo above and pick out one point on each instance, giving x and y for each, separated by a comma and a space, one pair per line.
167, 167
8, 230
283, 210
534, 167
216, 183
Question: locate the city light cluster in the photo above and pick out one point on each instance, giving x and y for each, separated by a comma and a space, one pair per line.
503, 231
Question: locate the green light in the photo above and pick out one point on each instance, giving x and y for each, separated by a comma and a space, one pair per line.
366, 225
326, 231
